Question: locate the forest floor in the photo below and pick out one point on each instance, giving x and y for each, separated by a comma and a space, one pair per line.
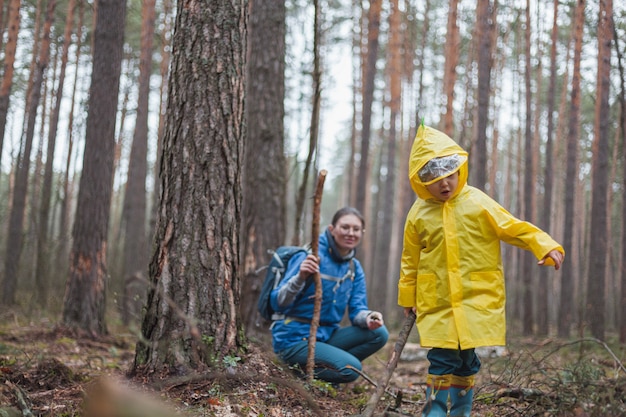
45, 371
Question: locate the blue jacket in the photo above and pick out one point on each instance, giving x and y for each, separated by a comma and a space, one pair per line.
339, 290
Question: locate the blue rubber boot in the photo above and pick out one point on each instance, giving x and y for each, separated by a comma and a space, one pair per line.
437, 390
461, 395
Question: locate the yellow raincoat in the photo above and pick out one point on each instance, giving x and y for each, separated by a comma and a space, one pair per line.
451, 267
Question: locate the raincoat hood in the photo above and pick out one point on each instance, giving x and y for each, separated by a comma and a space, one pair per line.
430, 144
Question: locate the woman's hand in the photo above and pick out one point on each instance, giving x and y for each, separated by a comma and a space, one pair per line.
309, 266
374, 320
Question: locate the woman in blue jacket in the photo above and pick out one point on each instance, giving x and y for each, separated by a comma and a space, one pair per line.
338, 350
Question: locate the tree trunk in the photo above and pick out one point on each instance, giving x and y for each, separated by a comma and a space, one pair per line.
192, 317
42, 274
596, 300
369, 76
135, 234
485, 21
544, 287
64, 221
265, 179
381, 274
529, 182
622, 130
85, 295
166, 44
449, 74
9, 63
571, 178
18, 206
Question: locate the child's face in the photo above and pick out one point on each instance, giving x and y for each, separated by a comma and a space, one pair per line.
443, 189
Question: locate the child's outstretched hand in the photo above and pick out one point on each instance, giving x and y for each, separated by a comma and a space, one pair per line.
556, 257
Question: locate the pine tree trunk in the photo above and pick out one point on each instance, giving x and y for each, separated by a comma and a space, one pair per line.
135, 269
9, 65
571, 178
192, 316
452, 58
544, 288
596, 282
484, 20
18, 207
85, 296
42, 275
265, 179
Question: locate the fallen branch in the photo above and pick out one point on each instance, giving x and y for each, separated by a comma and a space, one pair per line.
620, 365
409, 322
22, 399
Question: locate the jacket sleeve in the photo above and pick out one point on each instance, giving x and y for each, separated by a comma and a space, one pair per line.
521, 233
358, 297
409, 264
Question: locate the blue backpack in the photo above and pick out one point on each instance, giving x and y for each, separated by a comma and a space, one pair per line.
273, 276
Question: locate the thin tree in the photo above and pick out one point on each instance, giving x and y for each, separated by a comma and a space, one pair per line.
18, 206
622, 131
191, 314
543, 288
314, 129
394, 73
85, 294
449, 73
42, 272
485, 22
369, 75
596, 281
9, 64
135, 233
265, 179
529, 182
571, 177
64, 221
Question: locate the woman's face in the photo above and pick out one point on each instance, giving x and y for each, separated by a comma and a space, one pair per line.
347, 232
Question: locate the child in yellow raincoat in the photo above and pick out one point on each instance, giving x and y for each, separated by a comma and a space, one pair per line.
451, 272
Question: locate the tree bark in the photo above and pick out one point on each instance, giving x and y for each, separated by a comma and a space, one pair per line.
485, 22
42, 273
315, 116
544, 287
135, 255
596, 281
85, 296
191, 314
18, 206
449, 74
622, 131
265, 179
529, 182
9, 65
571, 175
369, 76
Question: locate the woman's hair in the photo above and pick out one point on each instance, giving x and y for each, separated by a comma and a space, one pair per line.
344, 212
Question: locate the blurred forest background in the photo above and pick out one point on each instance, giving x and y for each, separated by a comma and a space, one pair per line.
535, 90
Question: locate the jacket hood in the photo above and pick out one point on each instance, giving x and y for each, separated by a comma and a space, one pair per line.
429, 144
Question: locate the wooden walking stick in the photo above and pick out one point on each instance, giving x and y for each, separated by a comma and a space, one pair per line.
317, 306
391, 365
